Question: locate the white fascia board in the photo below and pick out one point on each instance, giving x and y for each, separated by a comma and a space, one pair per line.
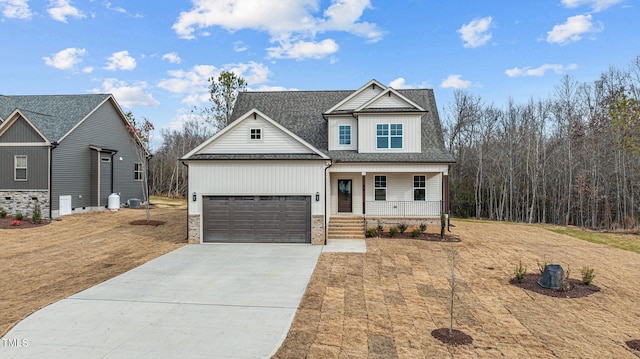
355, 93
385, 93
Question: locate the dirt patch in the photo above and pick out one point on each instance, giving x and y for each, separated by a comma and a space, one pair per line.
42, 265
6, 223
386, 303
634, 344
430, 237
144, 222
452, 337
577, 288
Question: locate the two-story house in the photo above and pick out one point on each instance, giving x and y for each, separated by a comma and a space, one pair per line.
291, 163
67, 153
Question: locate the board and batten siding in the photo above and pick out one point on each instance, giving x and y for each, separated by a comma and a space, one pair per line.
231, 178
237, 140
37, 167
411, 132
361, 98
334, 133
21, 131
71, 160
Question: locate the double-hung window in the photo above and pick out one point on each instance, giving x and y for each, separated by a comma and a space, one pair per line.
344, 134
419, 188
389, 135
380, 187
20, 168
138, 171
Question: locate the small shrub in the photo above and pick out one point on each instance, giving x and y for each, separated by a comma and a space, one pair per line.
587, 275
416, 233
380, 227
393, 231
15, 222
423, 227
443, 224
372, 232
543, 265
36, 217
19, 216
3, 213
565, 283
403, 227
520, 272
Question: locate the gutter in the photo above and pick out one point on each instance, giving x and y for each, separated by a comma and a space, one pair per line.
53, 145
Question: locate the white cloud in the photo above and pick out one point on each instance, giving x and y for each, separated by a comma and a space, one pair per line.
59, 10
194, 86
266, 88
401, 83
110, 6
239, 46
66, 59
172, 57
128, 95
292, 24
121, 61
572, 30
455, 81
303, 50
540, 70
476, 33
15, 9
596, 5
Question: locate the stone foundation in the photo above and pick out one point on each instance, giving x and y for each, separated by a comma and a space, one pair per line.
395, 221
194, 228
24, 201
317, 229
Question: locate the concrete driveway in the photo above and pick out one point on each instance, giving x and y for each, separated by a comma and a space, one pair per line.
199, 301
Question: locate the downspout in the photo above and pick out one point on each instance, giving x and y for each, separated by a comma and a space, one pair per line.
188, 199
54, 144
326, 215
112, 176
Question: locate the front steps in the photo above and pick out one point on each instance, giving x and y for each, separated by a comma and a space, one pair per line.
346, 227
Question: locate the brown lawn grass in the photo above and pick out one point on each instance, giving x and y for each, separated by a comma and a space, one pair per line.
42, 265
385, 303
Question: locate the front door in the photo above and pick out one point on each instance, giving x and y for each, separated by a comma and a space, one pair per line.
344, 196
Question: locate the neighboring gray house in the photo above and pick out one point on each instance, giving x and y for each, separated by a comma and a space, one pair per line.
303, 166
66, 152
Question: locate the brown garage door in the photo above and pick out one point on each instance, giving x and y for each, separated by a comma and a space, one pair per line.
264, 219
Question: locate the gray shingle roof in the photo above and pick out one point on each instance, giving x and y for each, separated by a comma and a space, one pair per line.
53, 115
302, 113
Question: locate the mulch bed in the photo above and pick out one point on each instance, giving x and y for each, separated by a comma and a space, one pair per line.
456, 337
429, 237
634, 344
578, 289
144, 222
5, 223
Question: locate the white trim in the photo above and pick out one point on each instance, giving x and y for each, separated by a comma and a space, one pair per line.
386, 187
259, 133
244, 118
387, 91
140, 170
350, 135
16, 168
355, 93
413, 185
24, 144
389, 136
13, 117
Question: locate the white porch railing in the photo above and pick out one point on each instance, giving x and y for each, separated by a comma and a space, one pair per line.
403, 208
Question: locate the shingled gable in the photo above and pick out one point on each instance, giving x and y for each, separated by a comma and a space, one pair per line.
305, 113
399, 103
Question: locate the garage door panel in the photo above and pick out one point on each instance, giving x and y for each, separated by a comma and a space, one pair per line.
257, 219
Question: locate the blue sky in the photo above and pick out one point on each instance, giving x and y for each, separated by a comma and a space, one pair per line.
155, 57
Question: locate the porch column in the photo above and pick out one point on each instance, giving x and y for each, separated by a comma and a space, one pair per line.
364, 192
445, 192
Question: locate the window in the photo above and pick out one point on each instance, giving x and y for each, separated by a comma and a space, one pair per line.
419, 188
256, 134
345, 134
138, 171
389, 135
20, 168
380, 184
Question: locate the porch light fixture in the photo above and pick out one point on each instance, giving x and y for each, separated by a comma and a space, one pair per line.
194, 197
317, 196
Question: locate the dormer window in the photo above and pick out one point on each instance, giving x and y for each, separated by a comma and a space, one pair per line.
388, 135
344, 134
255, 134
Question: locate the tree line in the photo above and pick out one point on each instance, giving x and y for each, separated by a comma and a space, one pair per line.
570, 159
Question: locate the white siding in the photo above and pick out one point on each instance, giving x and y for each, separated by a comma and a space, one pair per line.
390, 168
334, 134
387, 101
237, 140
256, 178
356, 192
411, 130
400, 191
361, 98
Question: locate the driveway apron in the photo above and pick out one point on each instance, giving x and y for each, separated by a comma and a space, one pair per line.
199, 301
